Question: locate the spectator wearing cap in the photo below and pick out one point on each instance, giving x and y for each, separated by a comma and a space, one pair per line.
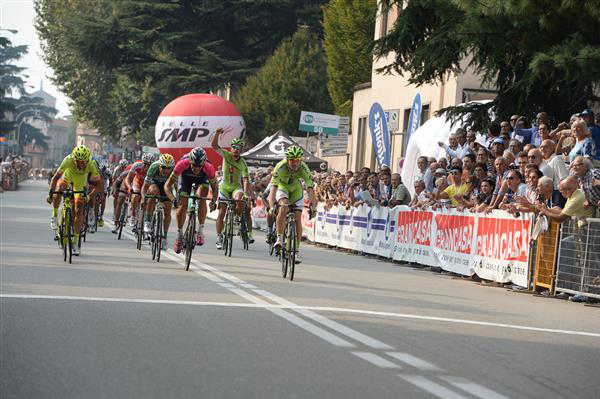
457, 190
498, 147
589, 179
555, 162
399, 194
574, 207
588, 116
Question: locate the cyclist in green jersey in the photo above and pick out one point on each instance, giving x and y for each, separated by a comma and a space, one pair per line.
235, 181
286, 189
154, 184
74, 170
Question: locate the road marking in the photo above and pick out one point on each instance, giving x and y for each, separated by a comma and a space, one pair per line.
414, 361
473, 388
431, 387
347, 331
246, 285
311, 328
227, 285
376, 360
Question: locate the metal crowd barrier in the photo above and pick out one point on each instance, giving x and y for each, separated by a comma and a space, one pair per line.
545, 256
578, 266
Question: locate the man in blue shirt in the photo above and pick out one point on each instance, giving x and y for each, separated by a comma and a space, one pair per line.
588, 117
531, 136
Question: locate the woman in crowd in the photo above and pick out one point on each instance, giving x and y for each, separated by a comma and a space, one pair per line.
584, 144
515, 187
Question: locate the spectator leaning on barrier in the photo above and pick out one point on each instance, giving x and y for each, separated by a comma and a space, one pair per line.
400, 194
420, 197
515, 186
589, 180
548, 195
484, 198
574, 207
457, 191
555, 162
527, 203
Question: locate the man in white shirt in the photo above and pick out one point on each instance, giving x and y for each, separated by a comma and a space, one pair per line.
534, 156
555, 162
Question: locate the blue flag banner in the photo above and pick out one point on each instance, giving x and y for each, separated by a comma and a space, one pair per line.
379, 134
415, 116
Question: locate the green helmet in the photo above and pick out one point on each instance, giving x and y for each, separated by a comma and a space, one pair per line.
81, 153
294, 152
237, 143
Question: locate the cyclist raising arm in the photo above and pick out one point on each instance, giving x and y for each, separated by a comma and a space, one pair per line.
154, 184
286, 189
74, 170
192, 169
235, 171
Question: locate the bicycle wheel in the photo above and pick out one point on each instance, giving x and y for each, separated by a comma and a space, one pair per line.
271, 243
84, 223
153, 236
189, 239
122, 219
292, 248
140, 230
283, 256
70, 235
159, 235
62, 236
244, 231
230, 232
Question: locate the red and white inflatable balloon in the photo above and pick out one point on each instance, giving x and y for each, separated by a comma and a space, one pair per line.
190, 121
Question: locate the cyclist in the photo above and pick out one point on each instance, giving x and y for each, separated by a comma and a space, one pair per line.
193, 168
154, 184
286, 189
74, 170
119, 193
134, 182
101, 203
235, 176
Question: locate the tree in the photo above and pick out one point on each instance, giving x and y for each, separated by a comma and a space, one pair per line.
17, 107
292, 80
349, 27
540, 55
137, 55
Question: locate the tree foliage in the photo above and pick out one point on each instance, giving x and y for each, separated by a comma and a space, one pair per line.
17, 107
349, 27
539, 54
292, 80
132, 57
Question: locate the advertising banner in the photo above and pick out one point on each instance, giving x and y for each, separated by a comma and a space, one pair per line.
379, 134
414, 236
453, 245
414, 120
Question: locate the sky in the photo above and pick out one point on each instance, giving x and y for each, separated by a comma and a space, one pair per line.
20, 15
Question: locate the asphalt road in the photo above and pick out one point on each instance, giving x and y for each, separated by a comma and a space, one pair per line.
115, 324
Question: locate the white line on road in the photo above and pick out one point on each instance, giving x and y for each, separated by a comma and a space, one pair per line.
297, 307
347, 331
414, 361
376, 360
431, 387
473, 388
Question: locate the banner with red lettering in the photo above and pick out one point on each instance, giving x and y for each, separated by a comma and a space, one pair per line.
453, 244
414, 233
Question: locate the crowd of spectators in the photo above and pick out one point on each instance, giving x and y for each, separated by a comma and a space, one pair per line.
543, 169
13, 169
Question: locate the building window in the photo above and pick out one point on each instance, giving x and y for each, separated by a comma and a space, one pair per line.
406, 120
424, 114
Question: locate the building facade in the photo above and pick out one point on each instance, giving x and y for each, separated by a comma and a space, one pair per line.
396, 96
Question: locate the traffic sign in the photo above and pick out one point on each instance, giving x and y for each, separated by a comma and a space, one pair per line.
313, 122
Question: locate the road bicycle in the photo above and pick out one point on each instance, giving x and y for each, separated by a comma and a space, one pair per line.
189, 239
230, 222
156, 226
289, 249
66, 227
123, 217
139, 226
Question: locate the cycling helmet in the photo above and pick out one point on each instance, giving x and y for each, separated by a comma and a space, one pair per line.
81, 153
147, 158
294, 152
238, 143
123, 163
166, 160
197, 156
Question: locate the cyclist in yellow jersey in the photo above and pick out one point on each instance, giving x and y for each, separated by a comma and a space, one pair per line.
74, 169
286, 189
